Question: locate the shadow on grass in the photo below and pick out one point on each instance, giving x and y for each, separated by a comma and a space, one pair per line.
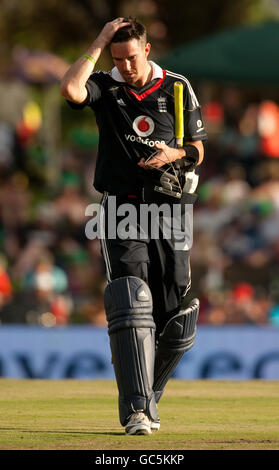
59, 431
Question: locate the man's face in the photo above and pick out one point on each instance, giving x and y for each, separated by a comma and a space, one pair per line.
131, 59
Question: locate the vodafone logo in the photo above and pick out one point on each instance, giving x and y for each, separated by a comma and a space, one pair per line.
143, 126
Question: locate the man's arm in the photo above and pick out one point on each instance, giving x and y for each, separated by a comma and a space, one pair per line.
73, 83
167, 154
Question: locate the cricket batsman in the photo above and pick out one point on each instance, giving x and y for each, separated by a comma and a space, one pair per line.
151, 137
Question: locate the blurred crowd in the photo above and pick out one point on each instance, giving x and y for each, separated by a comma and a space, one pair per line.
235, 255
52, 274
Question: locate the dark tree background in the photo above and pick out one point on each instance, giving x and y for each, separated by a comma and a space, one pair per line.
66, 27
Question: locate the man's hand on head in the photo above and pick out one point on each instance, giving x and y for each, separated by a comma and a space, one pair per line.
109, 31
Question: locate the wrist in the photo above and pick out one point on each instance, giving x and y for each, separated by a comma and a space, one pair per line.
181, 152
178, 153
99, 43
191, 158
175, 153
93, 52
89, 57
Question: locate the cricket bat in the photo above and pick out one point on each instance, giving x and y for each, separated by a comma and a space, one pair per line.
191, 179
178, 113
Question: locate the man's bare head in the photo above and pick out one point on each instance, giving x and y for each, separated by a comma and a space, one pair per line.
134, 30
130, 51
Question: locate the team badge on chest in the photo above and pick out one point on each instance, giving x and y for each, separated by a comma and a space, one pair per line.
162, 104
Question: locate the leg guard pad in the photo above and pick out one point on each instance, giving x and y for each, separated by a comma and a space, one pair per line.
128, 304
177, 337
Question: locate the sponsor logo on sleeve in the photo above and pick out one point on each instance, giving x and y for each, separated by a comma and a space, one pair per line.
199, 125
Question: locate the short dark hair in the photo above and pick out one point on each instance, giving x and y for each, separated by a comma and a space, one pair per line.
135, 30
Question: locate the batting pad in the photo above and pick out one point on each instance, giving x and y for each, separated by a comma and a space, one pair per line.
177, 337
128, 304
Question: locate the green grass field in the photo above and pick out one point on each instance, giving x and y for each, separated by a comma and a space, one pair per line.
82, 415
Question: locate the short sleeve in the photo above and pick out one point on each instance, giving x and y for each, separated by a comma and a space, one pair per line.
193, 121
94, 93
93, 87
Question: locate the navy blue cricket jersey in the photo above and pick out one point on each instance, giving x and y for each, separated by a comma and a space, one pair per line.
132, 120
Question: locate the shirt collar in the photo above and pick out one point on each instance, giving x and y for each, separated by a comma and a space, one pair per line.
156, 69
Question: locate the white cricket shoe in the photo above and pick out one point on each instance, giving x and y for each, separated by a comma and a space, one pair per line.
155, 425
138, 424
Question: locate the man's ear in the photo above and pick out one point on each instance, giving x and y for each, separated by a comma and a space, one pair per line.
147, 48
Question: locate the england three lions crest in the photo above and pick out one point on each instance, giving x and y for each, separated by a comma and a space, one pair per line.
162, 104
